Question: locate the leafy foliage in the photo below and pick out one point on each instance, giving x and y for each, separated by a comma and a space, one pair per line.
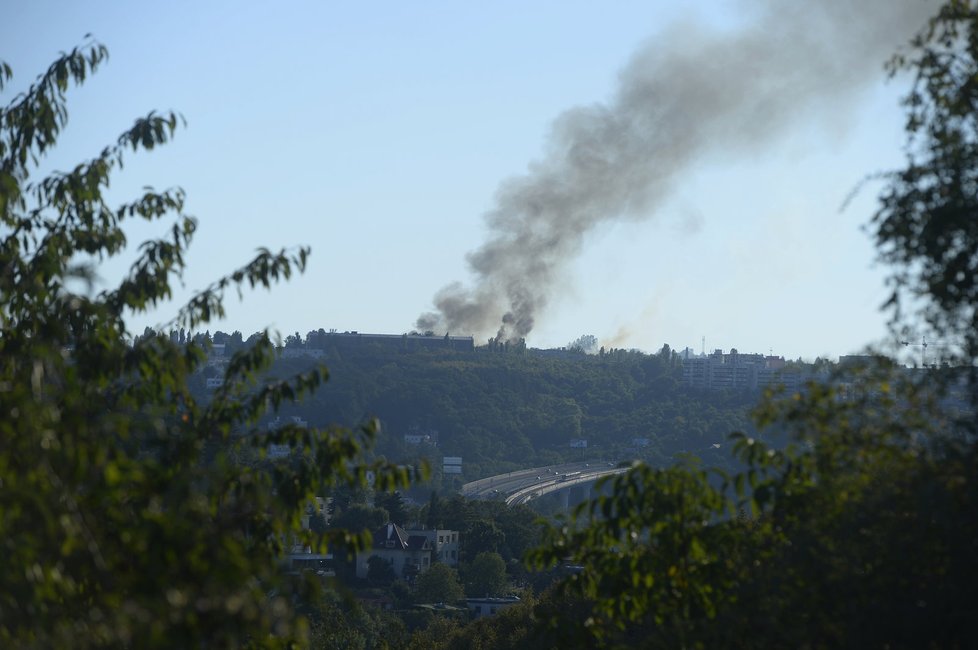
860, 532
486, 575
926, 227
124, 517
501, 412
439, 584
486, 526
379, 571
516, 626
347, 625
587, 343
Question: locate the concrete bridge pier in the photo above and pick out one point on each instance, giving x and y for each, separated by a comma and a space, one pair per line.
582, 493
565, 498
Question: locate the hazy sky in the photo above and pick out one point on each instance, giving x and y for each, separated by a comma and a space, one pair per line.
378, 134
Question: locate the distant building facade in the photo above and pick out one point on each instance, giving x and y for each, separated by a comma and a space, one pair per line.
418, 436
276, 452
405, 342
301, 353
216, 355
301, 557
735, 371
444, 544
490, 606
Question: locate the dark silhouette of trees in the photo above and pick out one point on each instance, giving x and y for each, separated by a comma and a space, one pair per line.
860, 531
125, 518
439, 584
486, 575
926, 228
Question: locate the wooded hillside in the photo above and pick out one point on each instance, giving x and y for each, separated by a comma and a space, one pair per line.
502, 410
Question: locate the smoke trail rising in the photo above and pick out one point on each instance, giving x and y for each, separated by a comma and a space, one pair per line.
682, 97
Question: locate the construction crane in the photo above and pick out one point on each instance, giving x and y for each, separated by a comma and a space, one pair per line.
923, 345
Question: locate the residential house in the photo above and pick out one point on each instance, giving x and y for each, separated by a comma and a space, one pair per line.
444, 544
408, 554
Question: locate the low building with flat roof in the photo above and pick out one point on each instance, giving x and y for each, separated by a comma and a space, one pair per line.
490, 606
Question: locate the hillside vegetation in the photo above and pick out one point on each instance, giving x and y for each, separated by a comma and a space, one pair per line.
505, 410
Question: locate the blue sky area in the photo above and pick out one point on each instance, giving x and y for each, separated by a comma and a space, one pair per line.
378, 133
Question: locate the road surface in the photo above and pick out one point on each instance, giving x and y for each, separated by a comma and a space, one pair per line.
527, 484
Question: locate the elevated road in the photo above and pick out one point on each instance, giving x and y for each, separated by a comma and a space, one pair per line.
528, 484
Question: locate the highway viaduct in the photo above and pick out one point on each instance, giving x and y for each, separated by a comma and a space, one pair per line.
525, 485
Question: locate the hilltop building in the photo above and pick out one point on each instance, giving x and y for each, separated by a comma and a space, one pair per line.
418, 436
301, 353
412, 341
490, 606
736, 371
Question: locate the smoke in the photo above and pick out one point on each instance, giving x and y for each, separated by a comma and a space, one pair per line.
684, 96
